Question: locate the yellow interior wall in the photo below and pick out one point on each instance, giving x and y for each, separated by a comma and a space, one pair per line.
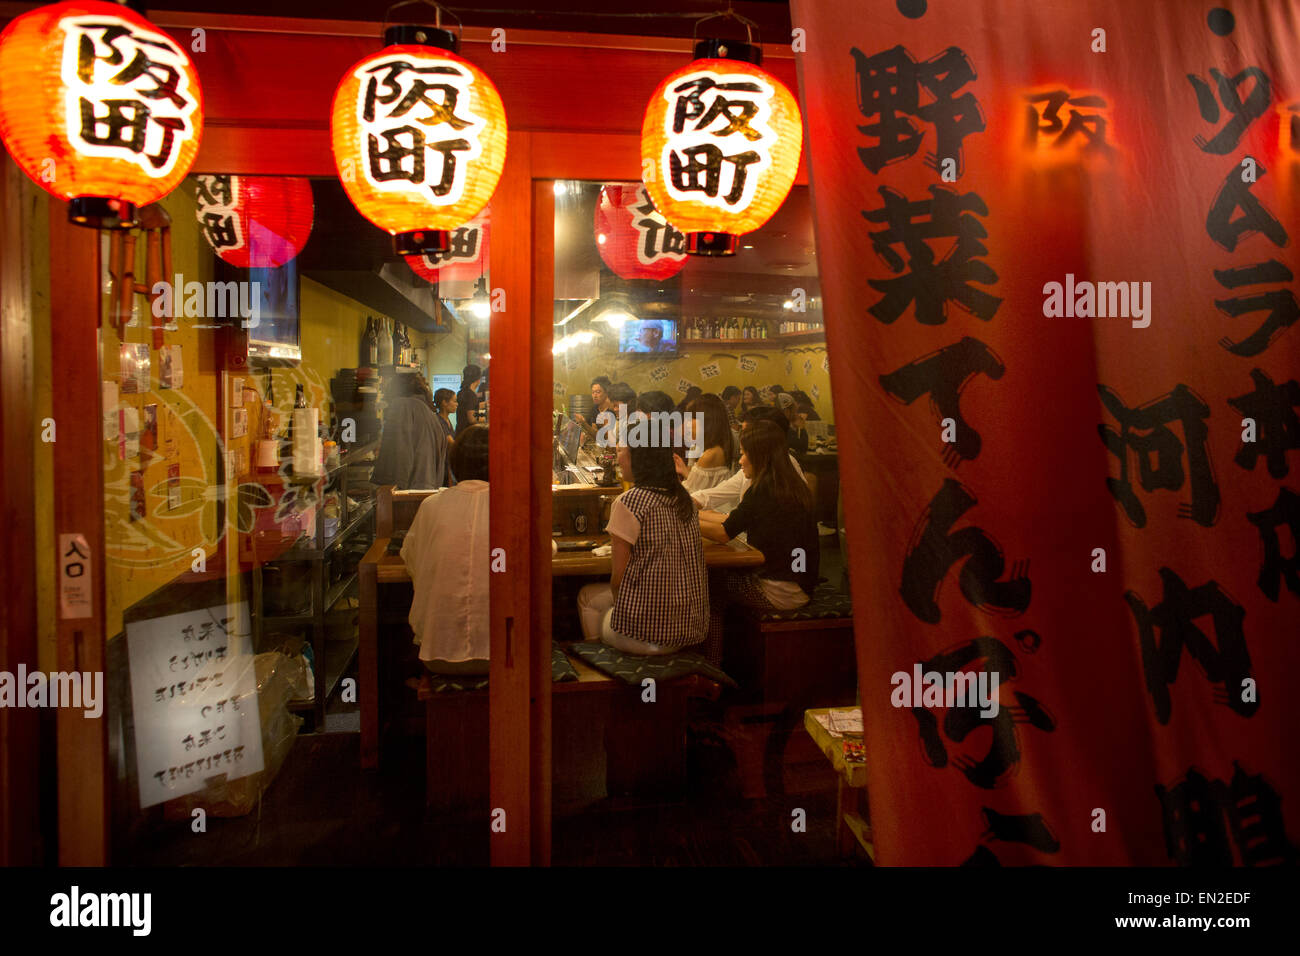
575, 370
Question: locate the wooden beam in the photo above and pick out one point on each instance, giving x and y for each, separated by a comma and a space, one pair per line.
519, 741
79, 509
19, 727
541, 382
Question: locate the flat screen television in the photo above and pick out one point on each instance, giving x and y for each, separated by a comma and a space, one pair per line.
648, 337
271, 298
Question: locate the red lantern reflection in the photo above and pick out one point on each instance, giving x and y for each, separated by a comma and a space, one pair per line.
464, 261
255, 222
633, 238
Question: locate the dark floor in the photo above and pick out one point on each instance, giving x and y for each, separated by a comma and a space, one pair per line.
322, 809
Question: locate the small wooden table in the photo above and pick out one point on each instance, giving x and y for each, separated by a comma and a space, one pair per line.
850, 824
379, 567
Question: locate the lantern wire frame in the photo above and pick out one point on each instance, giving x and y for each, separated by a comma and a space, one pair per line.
438, 11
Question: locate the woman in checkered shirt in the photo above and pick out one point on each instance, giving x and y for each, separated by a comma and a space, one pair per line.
657, 599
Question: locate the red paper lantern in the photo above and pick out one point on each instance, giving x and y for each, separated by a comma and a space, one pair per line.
464, 261
633, 238
98, 107
723, 138
419, 138
255, 222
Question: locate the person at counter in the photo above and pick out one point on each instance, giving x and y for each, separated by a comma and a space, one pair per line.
776, 514
656, 601
446, 554
600, 386
727, 495
413, 450
444, 402
798, 439
714, 464
731, 399
467, 399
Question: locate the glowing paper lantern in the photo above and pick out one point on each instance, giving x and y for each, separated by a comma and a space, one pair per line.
633, 238
98, 107
255, 222
466, 257
419, 138
724, 139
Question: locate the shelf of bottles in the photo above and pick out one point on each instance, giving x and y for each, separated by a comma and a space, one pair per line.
386, 342
798, 327
727, 330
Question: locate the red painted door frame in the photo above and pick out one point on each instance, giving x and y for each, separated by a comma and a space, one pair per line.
574, 103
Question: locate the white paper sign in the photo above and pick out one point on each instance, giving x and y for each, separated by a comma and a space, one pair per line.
807, 366
816, 393
559, 388
683, 386
747, 364
789, 366
710, 371
108, 402
659, 373
75, 576
194, 697
826, 362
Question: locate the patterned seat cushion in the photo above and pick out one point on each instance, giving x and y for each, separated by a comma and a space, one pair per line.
827, 602
632, 668
561, 671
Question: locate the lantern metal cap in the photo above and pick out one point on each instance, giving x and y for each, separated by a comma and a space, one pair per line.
729, 50
98, 212
712, 244
424, 242
411, 34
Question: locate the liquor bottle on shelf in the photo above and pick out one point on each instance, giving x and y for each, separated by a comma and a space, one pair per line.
385, 343
368, 355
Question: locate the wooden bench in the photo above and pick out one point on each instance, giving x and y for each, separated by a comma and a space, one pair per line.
605, 741
786, 662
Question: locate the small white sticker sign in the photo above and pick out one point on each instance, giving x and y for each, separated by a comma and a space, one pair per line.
807, 366
710, 371
559, 388
683, 386
826, 362
816, 393
659, 373
74, 576
747, 364
789, 366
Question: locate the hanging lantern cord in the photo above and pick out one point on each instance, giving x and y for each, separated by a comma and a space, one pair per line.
438, 9
729, 14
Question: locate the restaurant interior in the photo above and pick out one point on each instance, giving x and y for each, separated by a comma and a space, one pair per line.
364, 565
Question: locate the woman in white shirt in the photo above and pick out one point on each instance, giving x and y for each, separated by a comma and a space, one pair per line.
711, 456
446, 554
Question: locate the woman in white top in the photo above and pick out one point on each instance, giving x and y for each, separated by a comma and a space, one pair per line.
446, 554
714, 444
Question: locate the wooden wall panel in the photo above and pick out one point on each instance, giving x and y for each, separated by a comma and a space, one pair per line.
79, 509
19, 727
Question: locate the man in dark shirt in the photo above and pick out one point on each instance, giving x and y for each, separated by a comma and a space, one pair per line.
467, 400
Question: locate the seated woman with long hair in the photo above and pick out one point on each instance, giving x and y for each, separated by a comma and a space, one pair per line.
714, 443
656, 601
776, 514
